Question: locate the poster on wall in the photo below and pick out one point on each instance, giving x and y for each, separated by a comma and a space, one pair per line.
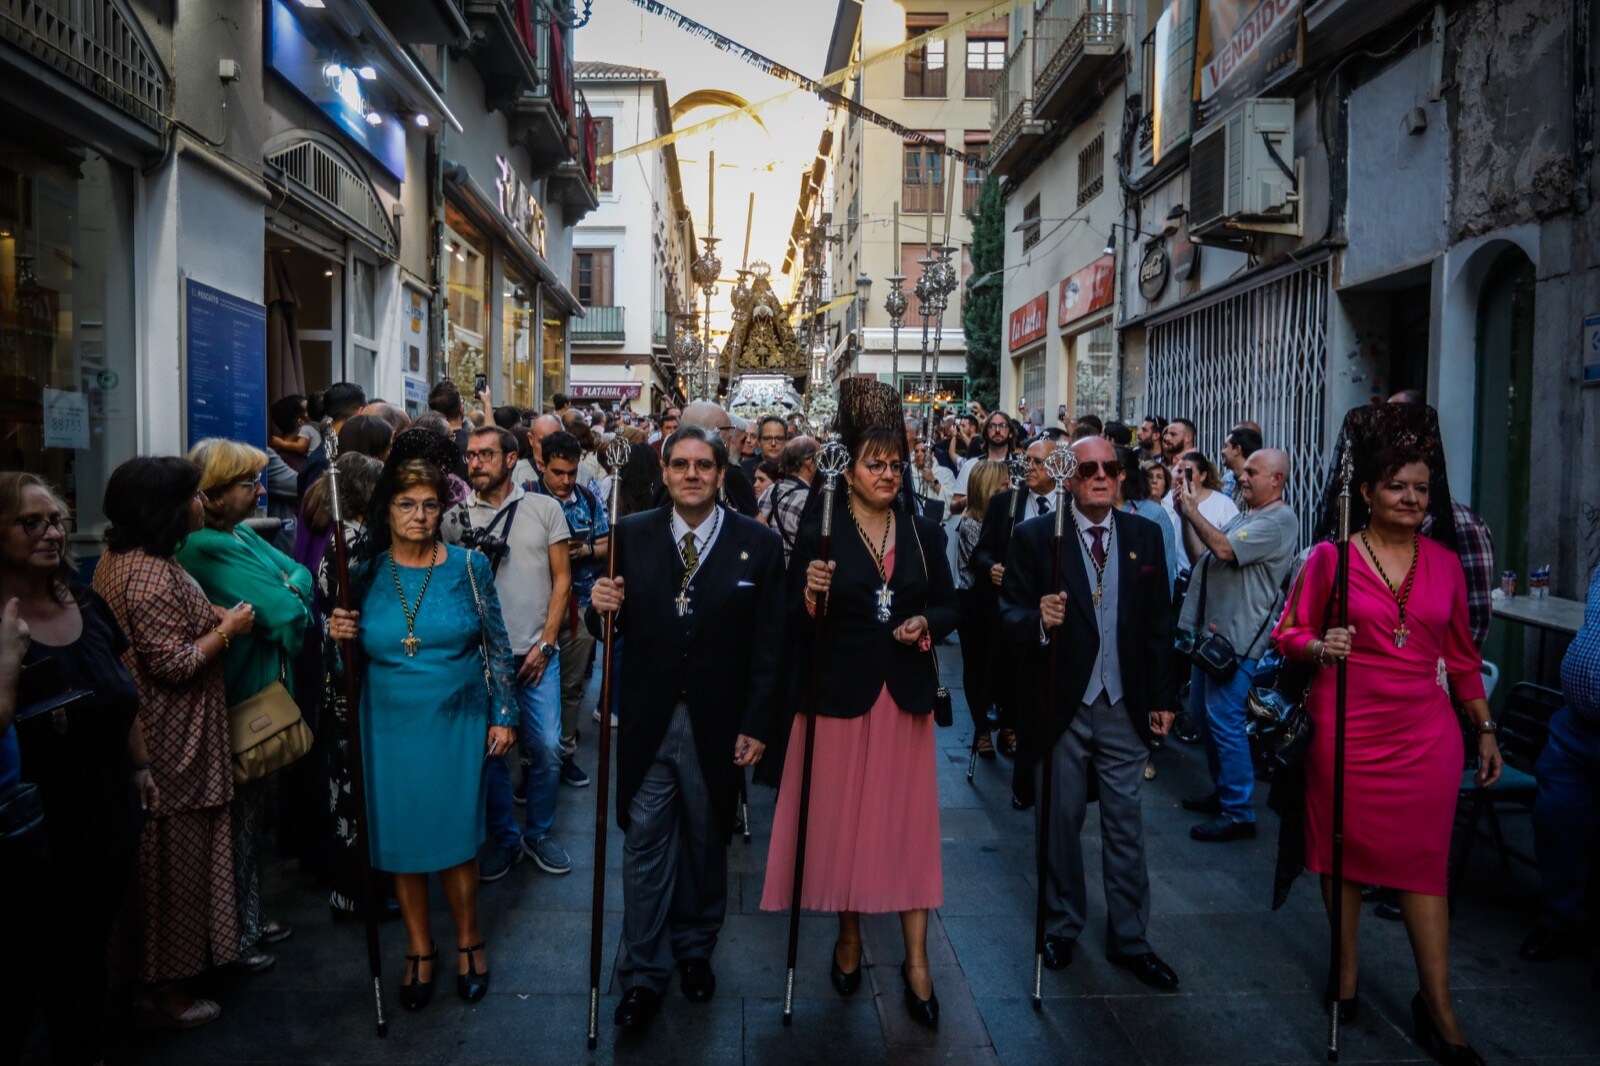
225, 361
1243, 48
1171, 80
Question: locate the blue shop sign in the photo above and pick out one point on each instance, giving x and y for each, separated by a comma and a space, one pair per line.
327, 79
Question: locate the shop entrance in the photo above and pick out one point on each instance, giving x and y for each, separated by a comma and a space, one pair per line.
304, 295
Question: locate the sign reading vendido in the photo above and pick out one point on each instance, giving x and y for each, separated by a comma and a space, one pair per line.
1244, 48
1028, 321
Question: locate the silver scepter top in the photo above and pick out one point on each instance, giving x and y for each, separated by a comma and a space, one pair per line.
1061, 464
832, 459
1347, 473
615, 455
330, 443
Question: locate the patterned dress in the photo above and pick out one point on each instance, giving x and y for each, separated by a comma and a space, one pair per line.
186, 910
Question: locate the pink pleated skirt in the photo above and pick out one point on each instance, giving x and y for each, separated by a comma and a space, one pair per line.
872, 842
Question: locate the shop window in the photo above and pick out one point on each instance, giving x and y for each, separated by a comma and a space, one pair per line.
362, 365
925, 66
1032, 378
67, 363
593, 276
603, 133
1095, 373
466, 333
517, 372
922, 185
554, 376
1092, 169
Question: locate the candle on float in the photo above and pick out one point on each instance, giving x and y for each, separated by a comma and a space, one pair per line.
711, 195
749, 220
949, 199
897, 236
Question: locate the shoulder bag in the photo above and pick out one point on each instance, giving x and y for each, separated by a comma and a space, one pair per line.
943, 712
266, 732
1213, 652
1277, 725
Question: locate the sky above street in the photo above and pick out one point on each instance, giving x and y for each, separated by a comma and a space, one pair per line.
750, 159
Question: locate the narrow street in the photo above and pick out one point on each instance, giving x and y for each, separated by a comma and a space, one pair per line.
1251, 978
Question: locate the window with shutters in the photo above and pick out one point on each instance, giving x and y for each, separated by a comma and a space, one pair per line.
1092, 169
922, 184
925, 66
592, 272
986, 56
602, 147
977, 145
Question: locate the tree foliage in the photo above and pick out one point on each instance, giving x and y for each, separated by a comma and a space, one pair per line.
981, 314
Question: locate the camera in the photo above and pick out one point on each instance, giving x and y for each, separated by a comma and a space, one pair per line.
494, 548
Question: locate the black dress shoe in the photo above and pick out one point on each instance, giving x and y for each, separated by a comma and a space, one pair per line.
924, 1012
845, 983
1148, 968
1429, 1040
1208, 804
1058, 952
1544, 945
638, 1006
418, 993
1222, 829
699, 983
472, 985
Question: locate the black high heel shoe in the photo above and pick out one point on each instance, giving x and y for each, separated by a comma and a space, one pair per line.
924, 1012
845, 983
418, 993
472, 985
1348, 1008
1429, 1040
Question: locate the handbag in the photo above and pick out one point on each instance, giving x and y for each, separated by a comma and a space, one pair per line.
266, 732
943, 710
1276, 723
1214, 653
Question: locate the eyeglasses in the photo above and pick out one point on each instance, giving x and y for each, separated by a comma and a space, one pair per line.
681, 465
410, 507
1093, 469
488, 456
34, 525
247, 483
884, 467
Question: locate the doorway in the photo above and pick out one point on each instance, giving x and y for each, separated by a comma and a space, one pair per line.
317, 283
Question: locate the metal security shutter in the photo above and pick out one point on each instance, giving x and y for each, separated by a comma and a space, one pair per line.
1259, 356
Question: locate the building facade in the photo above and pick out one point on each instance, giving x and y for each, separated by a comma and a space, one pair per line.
631, 257
940, 90
203, 210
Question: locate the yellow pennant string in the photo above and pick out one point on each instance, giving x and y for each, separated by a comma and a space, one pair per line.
838, 77
825, 308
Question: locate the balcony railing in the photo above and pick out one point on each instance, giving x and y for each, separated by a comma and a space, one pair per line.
918, 199
543, 119
1011, 122
1071, 40
96, 43
969, 193
600, 325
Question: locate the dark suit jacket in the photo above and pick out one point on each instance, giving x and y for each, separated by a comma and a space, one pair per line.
1144, 623
724, 660
994, 542
859, 652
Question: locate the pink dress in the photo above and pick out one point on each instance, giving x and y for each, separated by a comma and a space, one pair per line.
872, 842
1403, 751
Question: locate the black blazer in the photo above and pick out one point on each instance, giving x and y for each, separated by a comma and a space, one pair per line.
994, 542
860, 654
724, 660
1144, 623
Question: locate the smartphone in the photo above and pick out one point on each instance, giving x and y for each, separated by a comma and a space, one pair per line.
480, 384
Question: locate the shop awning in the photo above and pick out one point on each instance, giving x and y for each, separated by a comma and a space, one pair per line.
486, 213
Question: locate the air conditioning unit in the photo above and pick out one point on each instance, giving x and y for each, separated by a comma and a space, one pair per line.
1242, 171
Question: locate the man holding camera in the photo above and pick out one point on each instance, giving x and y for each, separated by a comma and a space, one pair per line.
524, 536
1231, 604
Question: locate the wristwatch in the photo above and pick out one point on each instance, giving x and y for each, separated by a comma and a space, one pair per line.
547, 649
1490, 727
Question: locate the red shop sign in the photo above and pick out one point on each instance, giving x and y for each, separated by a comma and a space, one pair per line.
1086, 291
1028, 321
607, 390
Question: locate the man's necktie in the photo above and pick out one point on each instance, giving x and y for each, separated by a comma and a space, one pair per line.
1098, 550
691, 557
1041, 505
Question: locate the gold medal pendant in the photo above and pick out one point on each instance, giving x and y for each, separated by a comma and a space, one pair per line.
411, 645
1400, 635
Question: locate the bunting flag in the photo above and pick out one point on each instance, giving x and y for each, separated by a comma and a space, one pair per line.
823, 88
801, 316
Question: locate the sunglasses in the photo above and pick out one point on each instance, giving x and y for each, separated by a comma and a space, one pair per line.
1092, 469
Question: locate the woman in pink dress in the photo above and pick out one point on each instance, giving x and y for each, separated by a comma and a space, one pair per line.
1410, 653
872, 841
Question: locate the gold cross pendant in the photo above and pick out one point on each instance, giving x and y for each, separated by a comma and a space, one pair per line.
683, 605
1400, 635
411, 645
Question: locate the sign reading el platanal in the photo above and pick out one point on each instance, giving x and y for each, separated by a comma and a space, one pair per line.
1242, 49
337, 84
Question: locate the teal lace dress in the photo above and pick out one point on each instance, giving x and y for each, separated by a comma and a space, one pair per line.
425, 719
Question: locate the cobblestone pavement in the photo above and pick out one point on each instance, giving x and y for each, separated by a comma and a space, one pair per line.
1250, 992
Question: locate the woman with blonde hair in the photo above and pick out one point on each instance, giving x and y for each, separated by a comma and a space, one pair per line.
233, 565
974, 599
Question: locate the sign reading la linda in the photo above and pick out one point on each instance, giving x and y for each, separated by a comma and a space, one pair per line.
1028, 322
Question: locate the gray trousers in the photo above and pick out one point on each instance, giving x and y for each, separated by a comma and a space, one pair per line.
674, 866
1103, 741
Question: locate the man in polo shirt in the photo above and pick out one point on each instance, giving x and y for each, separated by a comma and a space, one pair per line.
525, 539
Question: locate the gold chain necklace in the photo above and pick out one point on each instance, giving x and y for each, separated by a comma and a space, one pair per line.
685, 609
1099, 564
1401, 594
411, 642
884, 597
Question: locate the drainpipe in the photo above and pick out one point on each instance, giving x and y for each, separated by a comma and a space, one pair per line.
1582, 106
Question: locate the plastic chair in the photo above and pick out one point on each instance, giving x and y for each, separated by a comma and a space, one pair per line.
1524, 729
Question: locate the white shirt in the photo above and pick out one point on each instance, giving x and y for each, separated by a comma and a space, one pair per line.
1031, 508
705, 534
523, 578
1087, 527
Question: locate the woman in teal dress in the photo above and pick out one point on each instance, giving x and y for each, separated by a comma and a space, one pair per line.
235, 566
437, 701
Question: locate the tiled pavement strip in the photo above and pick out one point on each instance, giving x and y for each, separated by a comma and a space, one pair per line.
1250, 992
